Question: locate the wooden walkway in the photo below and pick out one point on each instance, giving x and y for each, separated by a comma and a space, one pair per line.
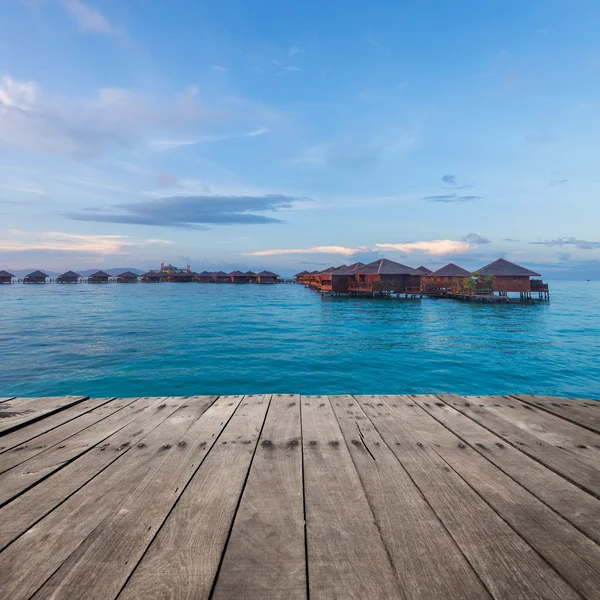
282, 496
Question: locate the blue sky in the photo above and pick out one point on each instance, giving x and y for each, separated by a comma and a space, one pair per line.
299, 135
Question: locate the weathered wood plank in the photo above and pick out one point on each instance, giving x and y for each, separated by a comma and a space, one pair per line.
556, 459
31, 559
183, 559
428, 562
346, 554
587, 416
25, 475
43, 443
19, 412
509, 567
34, 430
582, 444
570, 501
113, 549
571, 553
27, 509
5, 399
265, 555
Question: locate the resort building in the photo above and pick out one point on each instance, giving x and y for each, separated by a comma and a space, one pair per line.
98, 277
6, 277
267, 277
510, 277
221, 277
181, 276
69, 277
447, 278
384, 277
36, 277
239, 277
152, 277
127, 277
251, 275
424, 270
299, 277
204, 277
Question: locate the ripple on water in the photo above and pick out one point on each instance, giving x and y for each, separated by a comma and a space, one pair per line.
205, 339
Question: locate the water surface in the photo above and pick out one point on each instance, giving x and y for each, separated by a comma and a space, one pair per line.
184, 339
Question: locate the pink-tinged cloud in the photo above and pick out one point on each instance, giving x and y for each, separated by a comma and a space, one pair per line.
433, 247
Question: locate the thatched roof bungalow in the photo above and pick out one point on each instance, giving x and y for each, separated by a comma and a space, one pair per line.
181, 276
384, 277
127, 277
448, 277
267, 277
6, 277
221, 277
239, 277
510, 277
68, 277
35, 277
98, 277
152, 277
204, 277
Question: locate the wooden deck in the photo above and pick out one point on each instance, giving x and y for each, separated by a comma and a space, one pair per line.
282, 496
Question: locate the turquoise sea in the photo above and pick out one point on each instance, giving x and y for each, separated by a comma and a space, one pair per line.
183, 339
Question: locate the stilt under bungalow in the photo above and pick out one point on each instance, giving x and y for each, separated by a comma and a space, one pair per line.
69, 277
6, 277
36, 277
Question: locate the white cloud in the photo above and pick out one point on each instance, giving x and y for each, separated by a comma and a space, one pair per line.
166, 144
218, 68
314, 250
294, 50
434, 247
295, 69
101, 244
89, 19
86, 127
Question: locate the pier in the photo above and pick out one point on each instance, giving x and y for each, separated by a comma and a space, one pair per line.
288, 496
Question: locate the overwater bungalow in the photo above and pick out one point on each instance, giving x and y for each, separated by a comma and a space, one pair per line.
267, 277
152, 277
204, 277
127, 277
323, 279
447, 278
299, 277
68, 277
6, 277
36, 277
181, 276
239, 277
221, 277
384, 277
509, 277
424, 270
252, 276
339, 280
98, 277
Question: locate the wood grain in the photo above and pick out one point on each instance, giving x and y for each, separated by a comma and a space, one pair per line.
184, 558
585, 415
572, 554
34, 430
428, 562
40, 551
113, 549
26, 510
347, 557
265, 555
509, 567
553, 457
19, 412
